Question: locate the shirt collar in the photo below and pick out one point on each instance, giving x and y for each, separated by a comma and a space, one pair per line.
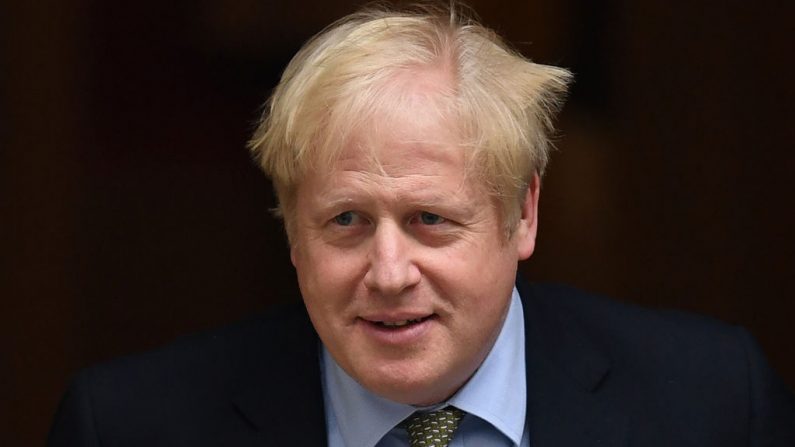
496, 392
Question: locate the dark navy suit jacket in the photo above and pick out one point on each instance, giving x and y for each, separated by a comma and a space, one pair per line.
599, 373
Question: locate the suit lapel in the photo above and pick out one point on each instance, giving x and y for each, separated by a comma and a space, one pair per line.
565, 372
281, 395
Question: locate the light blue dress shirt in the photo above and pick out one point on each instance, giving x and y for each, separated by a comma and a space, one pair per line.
495, 400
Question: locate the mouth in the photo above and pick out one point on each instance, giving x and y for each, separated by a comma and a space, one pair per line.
398, 324
398, 331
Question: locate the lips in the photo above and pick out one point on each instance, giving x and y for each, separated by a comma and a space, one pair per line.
397, 330
401, 323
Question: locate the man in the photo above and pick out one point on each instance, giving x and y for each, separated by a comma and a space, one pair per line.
406, 149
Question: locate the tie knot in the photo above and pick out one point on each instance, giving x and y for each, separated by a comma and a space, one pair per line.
434, 428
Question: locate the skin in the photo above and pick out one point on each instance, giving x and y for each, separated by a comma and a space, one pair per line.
395, 230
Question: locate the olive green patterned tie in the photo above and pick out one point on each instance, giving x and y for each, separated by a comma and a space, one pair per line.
432, 429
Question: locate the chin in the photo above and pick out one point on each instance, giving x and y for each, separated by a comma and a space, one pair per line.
412, 386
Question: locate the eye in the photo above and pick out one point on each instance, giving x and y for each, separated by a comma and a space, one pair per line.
427, 218
346, 218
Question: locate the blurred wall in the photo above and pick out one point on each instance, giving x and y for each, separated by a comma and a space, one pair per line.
131, 212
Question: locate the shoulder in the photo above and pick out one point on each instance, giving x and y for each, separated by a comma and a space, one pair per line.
655, 355
189, 383
675, 368
216, 352
615, 325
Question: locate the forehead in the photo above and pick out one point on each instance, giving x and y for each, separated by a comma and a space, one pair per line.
410, 156
396, 167
403, 139
401, 150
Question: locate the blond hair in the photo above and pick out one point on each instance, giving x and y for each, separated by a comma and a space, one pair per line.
502, 103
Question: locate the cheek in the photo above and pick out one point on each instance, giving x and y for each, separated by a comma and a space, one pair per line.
481, 267
327, 278
476, 279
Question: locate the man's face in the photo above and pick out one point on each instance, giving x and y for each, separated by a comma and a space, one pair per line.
403, 263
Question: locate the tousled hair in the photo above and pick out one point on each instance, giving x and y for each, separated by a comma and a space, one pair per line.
500, 103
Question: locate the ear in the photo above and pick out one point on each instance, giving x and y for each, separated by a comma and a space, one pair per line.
527, 227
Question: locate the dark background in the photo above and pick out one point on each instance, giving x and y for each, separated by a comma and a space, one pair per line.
131, 212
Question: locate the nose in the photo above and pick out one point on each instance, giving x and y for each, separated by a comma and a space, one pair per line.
392, 268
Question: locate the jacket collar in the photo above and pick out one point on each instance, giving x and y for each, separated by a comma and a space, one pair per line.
565, 371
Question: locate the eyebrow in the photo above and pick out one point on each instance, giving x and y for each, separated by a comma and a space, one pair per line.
448, 202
